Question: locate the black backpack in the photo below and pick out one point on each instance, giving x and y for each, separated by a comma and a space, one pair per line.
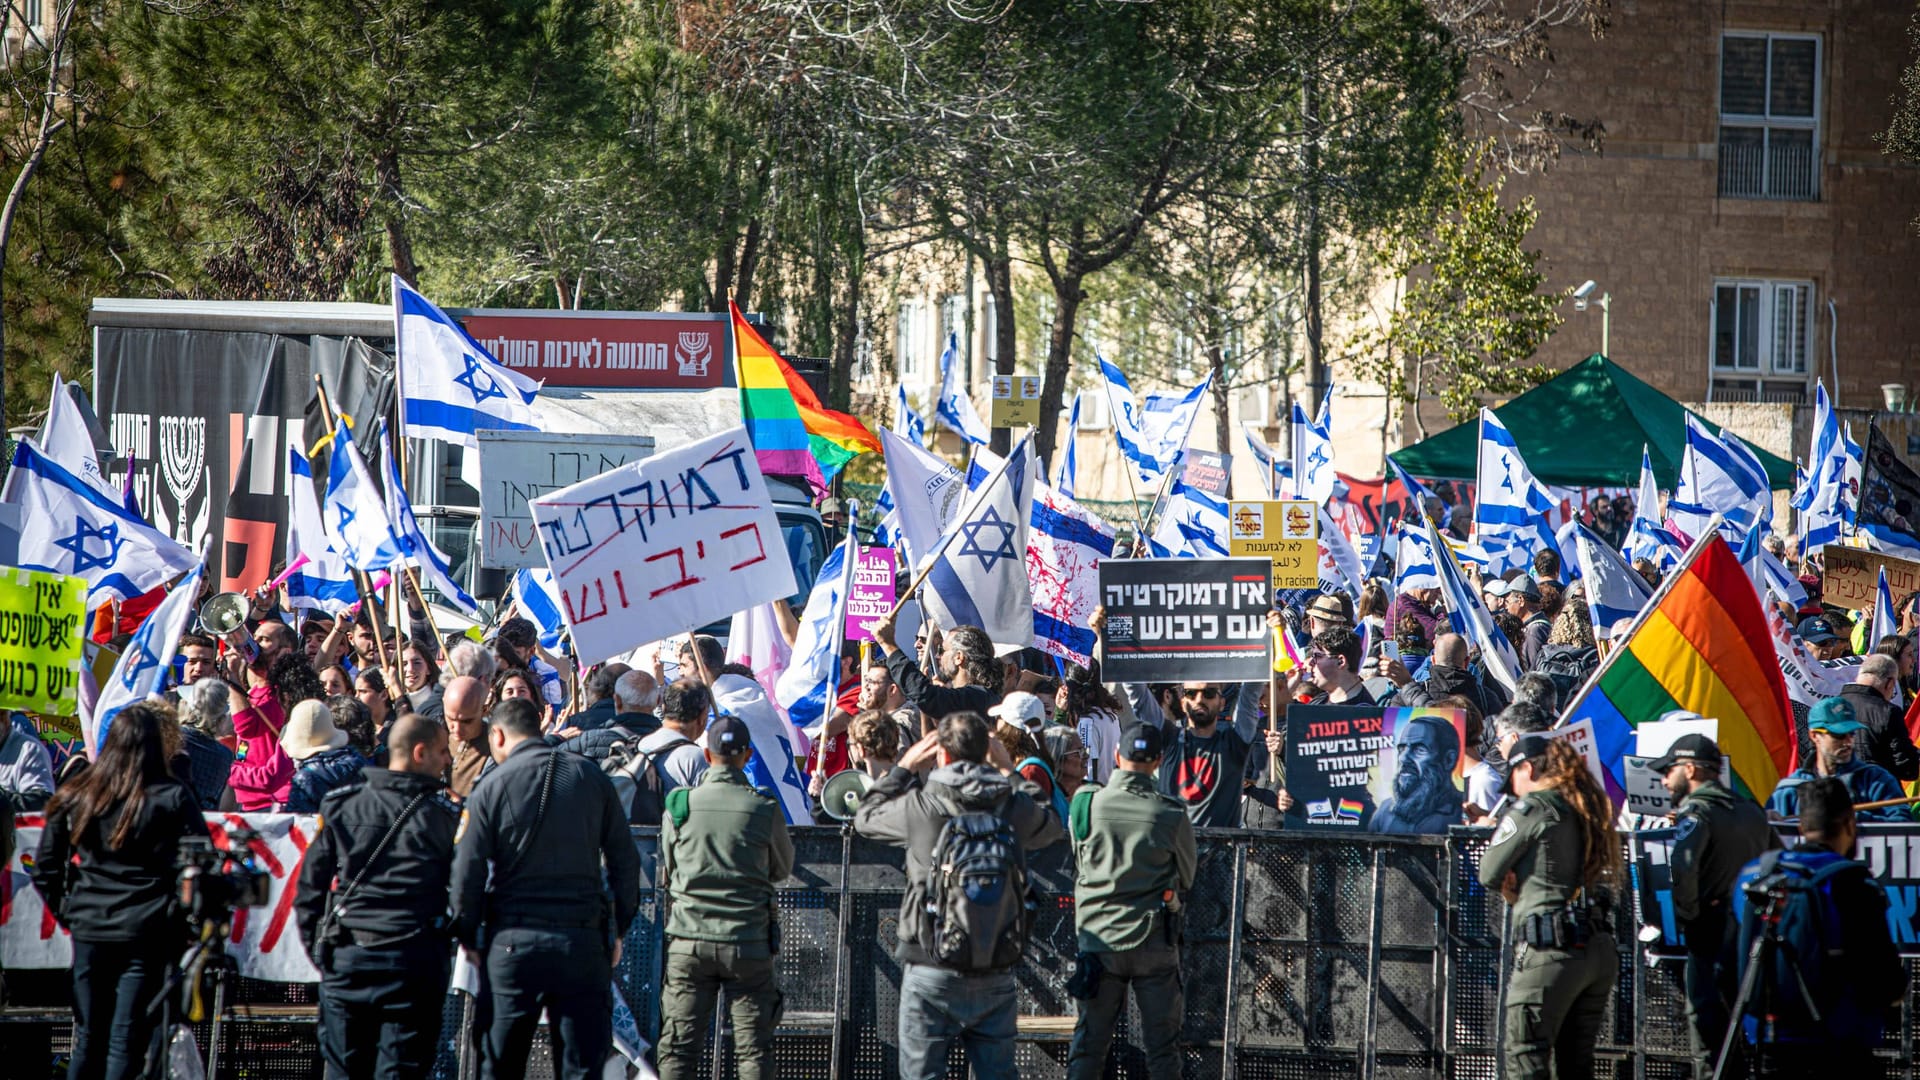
978, 900
636, 780
1804, 973
1568, 667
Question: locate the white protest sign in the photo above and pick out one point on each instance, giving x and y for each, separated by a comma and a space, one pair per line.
670, 542
517, 467
1581, 736
1646, 792
1656, 737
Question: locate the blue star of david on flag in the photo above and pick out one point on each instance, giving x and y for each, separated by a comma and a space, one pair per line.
477, 381
139, 662
346, 517
76, 544
1506, 472
1000, 533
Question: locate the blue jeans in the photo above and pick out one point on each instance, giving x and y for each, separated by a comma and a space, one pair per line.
938, 1006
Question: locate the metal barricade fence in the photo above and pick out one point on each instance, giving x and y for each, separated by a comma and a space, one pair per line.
1307, 955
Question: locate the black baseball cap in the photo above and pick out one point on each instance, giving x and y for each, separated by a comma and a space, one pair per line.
1525, 749
1687, 748
1141, 743
728, 736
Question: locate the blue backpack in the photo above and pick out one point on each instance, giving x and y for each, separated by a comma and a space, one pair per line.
1803, 980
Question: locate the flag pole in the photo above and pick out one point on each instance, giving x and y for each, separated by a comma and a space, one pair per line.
1126, 467
974, 500
839, 635
361, 582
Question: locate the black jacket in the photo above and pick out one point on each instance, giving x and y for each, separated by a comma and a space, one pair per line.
594, 745
124, 894
598, 715
320, 774
208, 763
1885, 742
515, 866
406, 890
1444, 681
936, 701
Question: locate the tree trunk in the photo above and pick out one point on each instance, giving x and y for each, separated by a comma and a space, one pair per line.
723, 264
1067, 296
386, 170
846, 341
999, 270
749, 259
1217, 363
1316, 357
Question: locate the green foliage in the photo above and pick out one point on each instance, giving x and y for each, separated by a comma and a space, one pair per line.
1902, 136
1472, 313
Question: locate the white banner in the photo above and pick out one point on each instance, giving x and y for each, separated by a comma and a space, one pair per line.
671, 542
264, 941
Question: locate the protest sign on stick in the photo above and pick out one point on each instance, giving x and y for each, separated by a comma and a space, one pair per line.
40, 641
1184, 620
670, 542
872, 594
1286, 531
1851, 576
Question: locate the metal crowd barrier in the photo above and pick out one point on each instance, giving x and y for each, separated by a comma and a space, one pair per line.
1308, 955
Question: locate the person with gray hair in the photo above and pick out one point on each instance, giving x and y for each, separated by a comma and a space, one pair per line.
1885, 741
1517, 719
204, 722
635, 697
1539, 689
471, 659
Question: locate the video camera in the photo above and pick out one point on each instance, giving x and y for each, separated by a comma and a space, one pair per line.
212, 882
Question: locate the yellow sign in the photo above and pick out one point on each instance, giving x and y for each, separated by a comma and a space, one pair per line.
1016, 401
1286, 531
40, 616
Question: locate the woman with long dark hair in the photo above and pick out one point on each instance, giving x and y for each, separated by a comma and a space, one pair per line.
1084, 704
106, 867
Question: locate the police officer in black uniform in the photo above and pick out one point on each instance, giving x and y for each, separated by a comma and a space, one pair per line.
528, 896
372, 907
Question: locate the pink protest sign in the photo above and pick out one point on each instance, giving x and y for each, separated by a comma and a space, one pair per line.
872, 594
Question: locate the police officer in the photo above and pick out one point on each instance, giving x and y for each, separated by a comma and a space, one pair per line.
1715, 834
1134, 861
1556, 859
723, 845
372, 906
527, 896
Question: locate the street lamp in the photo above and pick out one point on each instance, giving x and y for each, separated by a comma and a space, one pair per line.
1606, 312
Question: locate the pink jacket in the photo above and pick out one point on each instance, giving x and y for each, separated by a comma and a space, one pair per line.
261, 778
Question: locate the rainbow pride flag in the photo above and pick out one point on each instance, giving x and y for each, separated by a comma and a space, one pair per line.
792, 433
1701, 644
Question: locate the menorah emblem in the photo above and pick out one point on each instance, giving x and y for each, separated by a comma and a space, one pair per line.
693, 352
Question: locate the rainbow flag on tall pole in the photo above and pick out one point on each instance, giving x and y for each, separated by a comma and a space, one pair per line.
1701, 644
792, 433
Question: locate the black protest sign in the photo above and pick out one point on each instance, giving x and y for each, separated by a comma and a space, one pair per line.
1332, 753
1186, 620
40, 641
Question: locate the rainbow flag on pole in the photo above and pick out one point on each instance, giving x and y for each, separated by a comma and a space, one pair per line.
792, 433
1700, 644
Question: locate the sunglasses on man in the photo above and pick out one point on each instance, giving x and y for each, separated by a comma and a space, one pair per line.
1200, 695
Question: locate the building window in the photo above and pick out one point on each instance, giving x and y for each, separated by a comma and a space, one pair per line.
906, 339
1762, 327
1769, 116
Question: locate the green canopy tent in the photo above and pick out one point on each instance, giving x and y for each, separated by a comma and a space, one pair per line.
1582, 428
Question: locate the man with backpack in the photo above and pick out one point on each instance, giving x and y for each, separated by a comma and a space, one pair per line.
1828, 970
634, 697
673, 752
1134, 860
723, 847
967, 827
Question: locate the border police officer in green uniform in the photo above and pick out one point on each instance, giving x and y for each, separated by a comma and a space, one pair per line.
1134, 861
723, 846
1556, 859
1716, 832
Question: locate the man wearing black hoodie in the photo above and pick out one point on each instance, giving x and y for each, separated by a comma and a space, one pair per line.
944, 775
1447, 675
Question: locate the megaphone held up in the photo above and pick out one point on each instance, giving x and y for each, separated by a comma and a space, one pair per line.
841, 795
224, 616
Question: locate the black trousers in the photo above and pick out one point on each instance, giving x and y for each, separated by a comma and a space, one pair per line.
1712, 983
569, 973
380, 1009
114, 987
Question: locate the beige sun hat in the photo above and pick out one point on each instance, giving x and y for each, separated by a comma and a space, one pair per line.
310, 731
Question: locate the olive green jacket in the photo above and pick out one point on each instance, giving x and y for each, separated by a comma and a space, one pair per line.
1130, 844
723, 847
1541, 842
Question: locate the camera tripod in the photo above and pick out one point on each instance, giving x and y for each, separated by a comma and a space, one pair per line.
1765, 945
208, 961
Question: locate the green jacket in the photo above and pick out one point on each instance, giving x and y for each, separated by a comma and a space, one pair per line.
1715, 834
1541, 842
1130, 845
723, 846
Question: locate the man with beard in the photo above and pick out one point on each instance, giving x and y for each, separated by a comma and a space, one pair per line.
1424, 799
965, 664
1716, 833
1833, 726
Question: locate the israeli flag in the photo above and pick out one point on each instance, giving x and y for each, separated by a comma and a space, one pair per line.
978, 576
1414, 565
1614, 591
955, 407
777, 747
64, 438
1312, 454
1856, 462
925, 493
536, 597
1510, 515
1719, 474
1822, 495
1278, 471
1153, 431
1192, 525
1470, 618
1768, 574
1647, 538
1416, 490
142, 670
414, 544
451, 387
806, 689
320, 579
1069, 465
1065, 543
906, 420
1340, 565
1884, 625
354, 515
68, 526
